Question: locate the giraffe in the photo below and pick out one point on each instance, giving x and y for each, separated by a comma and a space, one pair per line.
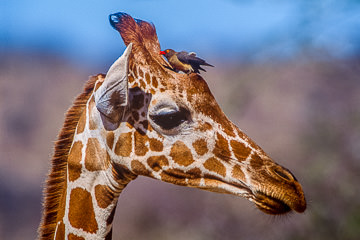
142, 118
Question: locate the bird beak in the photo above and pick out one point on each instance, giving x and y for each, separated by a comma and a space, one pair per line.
162, 53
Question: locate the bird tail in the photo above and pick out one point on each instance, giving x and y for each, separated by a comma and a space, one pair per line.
201, 69
207, 64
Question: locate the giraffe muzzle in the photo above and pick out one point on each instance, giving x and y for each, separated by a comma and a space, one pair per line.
282, 193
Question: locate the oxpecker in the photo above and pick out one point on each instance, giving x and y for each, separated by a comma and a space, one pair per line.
184, 61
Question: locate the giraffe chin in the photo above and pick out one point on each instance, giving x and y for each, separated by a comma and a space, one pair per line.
271, 205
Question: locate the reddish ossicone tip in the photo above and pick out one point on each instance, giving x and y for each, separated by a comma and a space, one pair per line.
161, 52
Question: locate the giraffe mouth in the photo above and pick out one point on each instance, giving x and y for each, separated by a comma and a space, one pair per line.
271, 205
265, 202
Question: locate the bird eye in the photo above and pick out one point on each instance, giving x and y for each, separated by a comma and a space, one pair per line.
167, 51
168, 120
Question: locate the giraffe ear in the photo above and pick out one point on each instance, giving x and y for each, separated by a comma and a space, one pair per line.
111, 98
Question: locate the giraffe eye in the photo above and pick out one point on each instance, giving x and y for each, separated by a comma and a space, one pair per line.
168, 120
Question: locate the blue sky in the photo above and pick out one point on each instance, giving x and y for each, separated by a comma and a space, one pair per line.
245, 29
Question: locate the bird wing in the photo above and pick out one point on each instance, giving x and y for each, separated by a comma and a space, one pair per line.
190, 58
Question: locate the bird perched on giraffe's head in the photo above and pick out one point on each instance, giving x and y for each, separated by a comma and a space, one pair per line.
184, 61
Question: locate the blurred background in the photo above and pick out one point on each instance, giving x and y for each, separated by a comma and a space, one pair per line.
287, 73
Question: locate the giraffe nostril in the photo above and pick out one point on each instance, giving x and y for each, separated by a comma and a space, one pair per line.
283, 173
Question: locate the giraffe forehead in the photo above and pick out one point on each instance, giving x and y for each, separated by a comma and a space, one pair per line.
147, 79
193, 91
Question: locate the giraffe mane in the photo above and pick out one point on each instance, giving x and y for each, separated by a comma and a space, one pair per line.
56, 180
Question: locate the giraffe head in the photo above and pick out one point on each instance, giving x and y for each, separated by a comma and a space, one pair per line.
168, 126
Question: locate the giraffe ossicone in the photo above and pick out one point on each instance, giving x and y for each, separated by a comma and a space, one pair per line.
144, 119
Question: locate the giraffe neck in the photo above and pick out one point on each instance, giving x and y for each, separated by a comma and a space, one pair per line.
93, 183
81, 197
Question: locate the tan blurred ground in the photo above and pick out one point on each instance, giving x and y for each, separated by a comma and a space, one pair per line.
305, 113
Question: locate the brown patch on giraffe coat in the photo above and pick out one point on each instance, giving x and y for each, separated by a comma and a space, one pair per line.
181, 154
212, 185
241, 134
177, 173
157, 162
81, 123
103, 195
194, 182
60, 231
96, 157
240, 151
92, 124
237, 173
81, 205
74, 161
195, 175
141, 73
138, 168
110, 139
142, 84
173, 178
249, 141
140, 144
131, 79
212, 164
135, 84
200, 146
147, 78
153, 101
122, 175
74, 237
194, 172
226, 125
123, 146
256, 162
155, 82
221, 149
204, 127
137, 101
155, 145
